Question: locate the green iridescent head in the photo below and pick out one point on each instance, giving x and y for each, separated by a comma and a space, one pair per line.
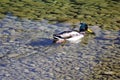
83, 27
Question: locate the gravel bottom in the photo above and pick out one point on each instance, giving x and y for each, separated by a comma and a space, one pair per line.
27, 53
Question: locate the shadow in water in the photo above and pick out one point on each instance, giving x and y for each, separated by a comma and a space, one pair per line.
41, 42
102, 38
116, 0
117, 40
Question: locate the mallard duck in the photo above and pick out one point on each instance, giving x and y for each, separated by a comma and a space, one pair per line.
73, 35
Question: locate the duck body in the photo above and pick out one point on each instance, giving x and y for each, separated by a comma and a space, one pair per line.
71, 36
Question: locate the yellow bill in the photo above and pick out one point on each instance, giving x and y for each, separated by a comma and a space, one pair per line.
89, 30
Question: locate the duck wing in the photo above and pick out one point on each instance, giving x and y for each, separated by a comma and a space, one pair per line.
65, 35
62, 35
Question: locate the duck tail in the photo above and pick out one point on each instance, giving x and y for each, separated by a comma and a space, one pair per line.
55, 36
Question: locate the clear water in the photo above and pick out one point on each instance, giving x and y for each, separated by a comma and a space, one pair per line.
27, 45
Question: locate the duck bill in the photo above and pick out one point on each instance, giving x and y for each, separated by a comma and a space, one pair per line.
90, 31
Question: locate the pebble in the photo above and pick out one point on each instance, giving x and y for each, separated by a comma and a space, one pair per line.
26, 71
1, 55
12, 55
7, 75
68, 78
77, 68
109, 72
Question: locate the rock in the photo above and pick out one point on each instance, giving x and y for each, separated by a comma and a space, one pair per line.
26, 71
13, 55
7, 75
77, 68
1, 55
68, 78
109, 72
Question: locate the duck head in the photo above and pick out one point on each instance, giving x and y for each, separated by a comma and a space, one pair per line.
84, 27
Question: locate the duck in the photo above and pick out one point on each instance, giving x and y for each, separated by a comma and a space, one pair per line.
72, 36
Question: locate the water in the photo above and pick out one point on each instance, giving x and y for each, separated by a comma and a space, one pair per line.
27, 52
